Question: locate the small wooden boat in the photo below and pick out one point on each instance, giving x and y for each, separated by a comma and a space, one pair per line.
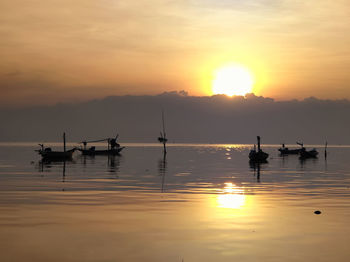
113, 148
258, 155
304, 154
286, 151
48, 154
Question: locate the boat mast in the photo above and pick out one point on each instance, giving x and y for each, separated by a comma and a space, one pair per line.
64, 142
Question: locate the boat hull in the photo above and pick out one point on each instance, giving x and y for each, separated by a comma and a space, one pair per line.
57, 155
89, 152
308, 154
286, 151
258, 156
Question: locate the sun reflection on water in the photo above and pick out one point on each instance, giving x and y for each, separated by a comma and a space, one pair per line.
231, 197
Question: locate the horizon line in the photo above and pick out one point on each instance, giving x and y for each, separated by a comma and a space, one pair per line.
171, 144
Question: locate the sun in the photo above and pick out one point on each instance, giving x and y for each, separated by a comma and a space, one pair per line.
232, 80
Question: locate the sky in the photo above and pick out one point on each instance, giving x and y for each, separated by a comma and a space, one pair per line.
70, 51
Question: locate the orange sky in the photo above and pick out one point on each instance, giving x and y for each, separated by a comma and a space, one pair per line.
62, 50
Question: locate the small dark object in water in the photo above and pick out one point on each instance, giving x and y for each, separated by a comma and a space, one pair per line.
317, 212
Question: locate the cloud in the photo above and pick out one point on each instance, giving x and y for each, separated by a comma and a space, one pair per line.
214, 119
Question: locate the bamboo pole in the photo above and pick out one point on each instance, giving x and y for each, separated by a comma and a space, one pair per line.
64, 142
164, 135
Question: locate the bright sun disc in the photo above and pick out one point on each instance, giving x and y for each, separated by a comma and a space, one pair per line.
233, 80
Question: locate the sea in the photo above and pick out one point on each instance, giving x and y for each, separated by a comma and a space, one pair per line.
199, 203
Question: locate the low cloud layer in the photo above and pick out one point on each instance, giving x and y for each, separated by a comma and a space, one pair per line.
215, 119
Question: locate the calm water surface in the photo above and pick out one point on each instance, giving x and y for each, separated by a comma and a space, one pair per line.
201, 203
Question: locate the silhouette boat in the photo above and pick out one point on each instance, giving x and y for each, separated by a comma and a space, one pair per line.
114, 148
304, 154
286, 151
258, 155
48, 154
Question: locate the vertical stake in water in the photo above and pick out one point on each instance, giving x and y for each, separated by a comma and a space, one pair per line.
258, 137
164, 136
325, 150
64, 170
64, 142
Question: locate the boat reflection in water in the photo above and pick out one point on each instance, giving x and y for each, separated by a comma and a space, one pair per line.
304, 161
46, 165
231, 196
114, 163
256, 166
162, 168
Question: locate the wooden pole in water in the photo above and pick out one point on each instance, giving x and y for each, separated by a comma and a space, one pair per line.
258, 137
325, 150
164, 148
64, 170
164, 136
64, 142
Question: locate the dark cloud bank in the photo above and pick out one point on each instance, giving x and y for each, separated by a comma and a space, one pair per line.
216, 119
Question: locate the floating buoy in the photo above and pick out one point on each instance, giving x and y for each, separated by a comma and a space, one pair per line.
317, 212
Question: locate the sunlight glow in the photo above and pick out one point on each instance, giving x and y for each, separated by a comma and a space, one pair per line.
232, 197
232, 80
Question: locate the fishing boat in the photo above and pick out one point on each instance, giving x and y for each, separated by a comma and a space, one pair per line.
48, 154
258, 155
304, 154
286, 151
113, 148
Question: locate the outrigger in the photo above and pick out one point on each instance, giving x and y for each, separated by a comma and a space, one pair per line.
113, 148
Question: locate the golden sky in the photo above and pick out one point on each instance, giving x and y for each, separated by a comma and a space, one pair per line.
60, 50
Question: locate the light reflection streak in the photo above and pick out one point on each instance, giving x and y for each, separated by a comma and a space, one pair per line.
231, 197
